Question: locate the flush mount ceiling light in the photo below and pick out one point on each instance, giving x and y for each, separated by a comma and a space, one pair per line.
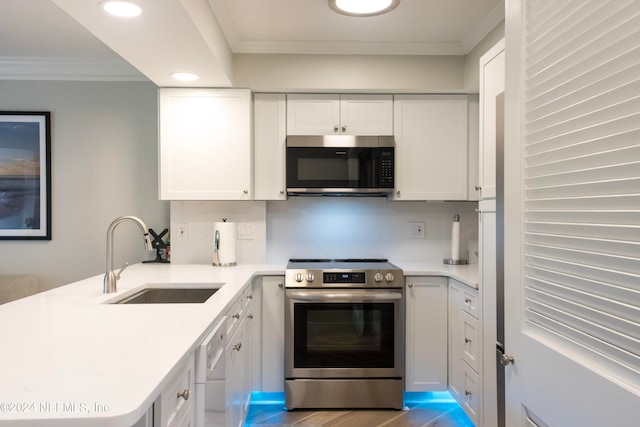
125, 9
363, 7
185, 77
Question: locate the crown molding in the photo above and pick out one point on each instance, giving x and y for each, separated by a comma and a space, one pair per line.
347, 48
31, 68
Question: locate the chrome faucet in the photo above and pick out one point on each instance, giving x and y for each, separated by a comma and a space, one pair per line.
110, 277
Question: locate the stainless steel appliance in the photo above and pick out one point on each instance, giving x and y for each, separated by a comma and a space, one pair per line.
340, 165
344, 334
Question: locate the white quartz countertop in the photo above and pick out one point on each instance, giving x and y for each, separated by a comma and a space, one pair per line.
465, 274
69, 358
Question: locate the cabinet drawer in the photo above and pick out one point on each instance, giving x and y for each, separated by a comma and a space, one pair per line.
470, 301
247, 298
177, 398
470, 402
471, 341
234, 315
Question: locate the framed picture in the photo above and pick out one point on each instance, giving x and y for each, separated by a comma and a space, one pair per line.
25, 176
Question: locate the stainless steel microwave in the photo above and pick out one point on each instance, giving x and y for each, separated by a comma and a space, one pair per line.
340, 165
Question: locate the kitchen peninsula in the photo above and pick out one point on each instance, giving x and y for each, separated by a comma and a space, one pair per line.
78, 360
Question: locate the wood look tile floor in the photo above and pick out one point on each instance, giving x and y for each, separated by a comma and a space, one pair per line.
430, 414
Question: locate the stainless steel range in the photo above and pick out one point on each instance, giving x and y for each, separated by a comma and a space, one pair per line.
344, 334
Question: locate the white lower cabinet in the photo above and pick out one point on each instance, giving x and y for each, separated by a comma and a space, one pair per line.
273, 334
176, 400
238, 362
235, 378
464, 348
426, 334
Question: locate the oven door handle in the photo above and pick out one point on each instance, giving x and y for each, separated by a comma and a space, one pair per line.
357, 296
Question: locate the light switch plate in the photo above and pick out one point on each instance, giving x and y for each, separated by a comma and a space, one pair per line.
245, 231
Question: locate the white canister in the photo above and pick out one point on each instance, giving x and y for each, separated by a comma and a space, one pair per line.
224, 243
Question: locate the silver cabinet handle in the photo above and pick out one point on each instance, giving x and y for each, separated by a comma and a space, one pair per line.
467, 393
249, 297
184, 394
280, 285
398, 192
335, 128
467, 340
237, 347
467, 300
250, 316
246, 191
478, 188
281, 192
506, 360
344, 128
236, 316
410, 285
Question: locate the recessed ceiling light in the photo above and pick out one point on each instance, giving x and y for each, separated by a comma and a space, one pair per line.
363, 8
185, 77
121, 8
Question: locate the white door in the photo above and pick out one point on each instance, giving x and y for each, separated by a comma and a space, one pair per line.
572, 213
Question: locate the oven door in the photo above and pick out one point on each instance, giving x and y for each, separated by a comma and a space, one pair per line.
344, 333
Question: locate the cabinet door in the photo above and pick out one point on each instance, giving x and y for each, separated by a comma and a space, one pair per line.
235, 377
317, 114
456, 342
176, 404
431, 147
491, 305
473, 163
426, 334
270, 137
247, 363
205, 144
366, 114
492, 75
273, 334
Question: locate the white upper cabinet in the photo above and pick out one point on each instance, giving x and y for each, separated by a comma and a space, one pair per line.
270, 137
492, 75
431, 135
473, 190
205, 144
331, 114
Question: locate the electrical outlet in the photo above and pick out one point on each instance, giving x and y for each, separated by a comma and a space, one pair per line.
182, 232
416, 229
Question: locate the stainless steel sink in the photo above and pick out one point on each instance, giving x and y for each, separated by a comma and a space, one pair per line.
182, 295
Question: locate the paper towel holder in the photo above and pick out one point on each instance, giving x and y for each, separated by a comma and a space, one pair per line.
216, 250
455, 234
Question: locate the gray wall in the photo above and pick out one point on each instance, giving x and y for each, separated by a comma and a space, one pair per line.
104, 164
349, 73
472, 59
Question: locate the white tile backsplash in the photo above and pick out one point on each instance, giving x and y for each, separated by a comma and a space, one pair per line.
326, 227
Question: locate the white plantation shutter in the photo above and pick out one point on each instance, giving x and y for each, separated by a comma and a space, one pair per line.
582, 180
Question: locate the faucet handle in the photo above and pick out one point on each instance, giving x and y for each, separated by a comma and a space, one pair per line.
126, 264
